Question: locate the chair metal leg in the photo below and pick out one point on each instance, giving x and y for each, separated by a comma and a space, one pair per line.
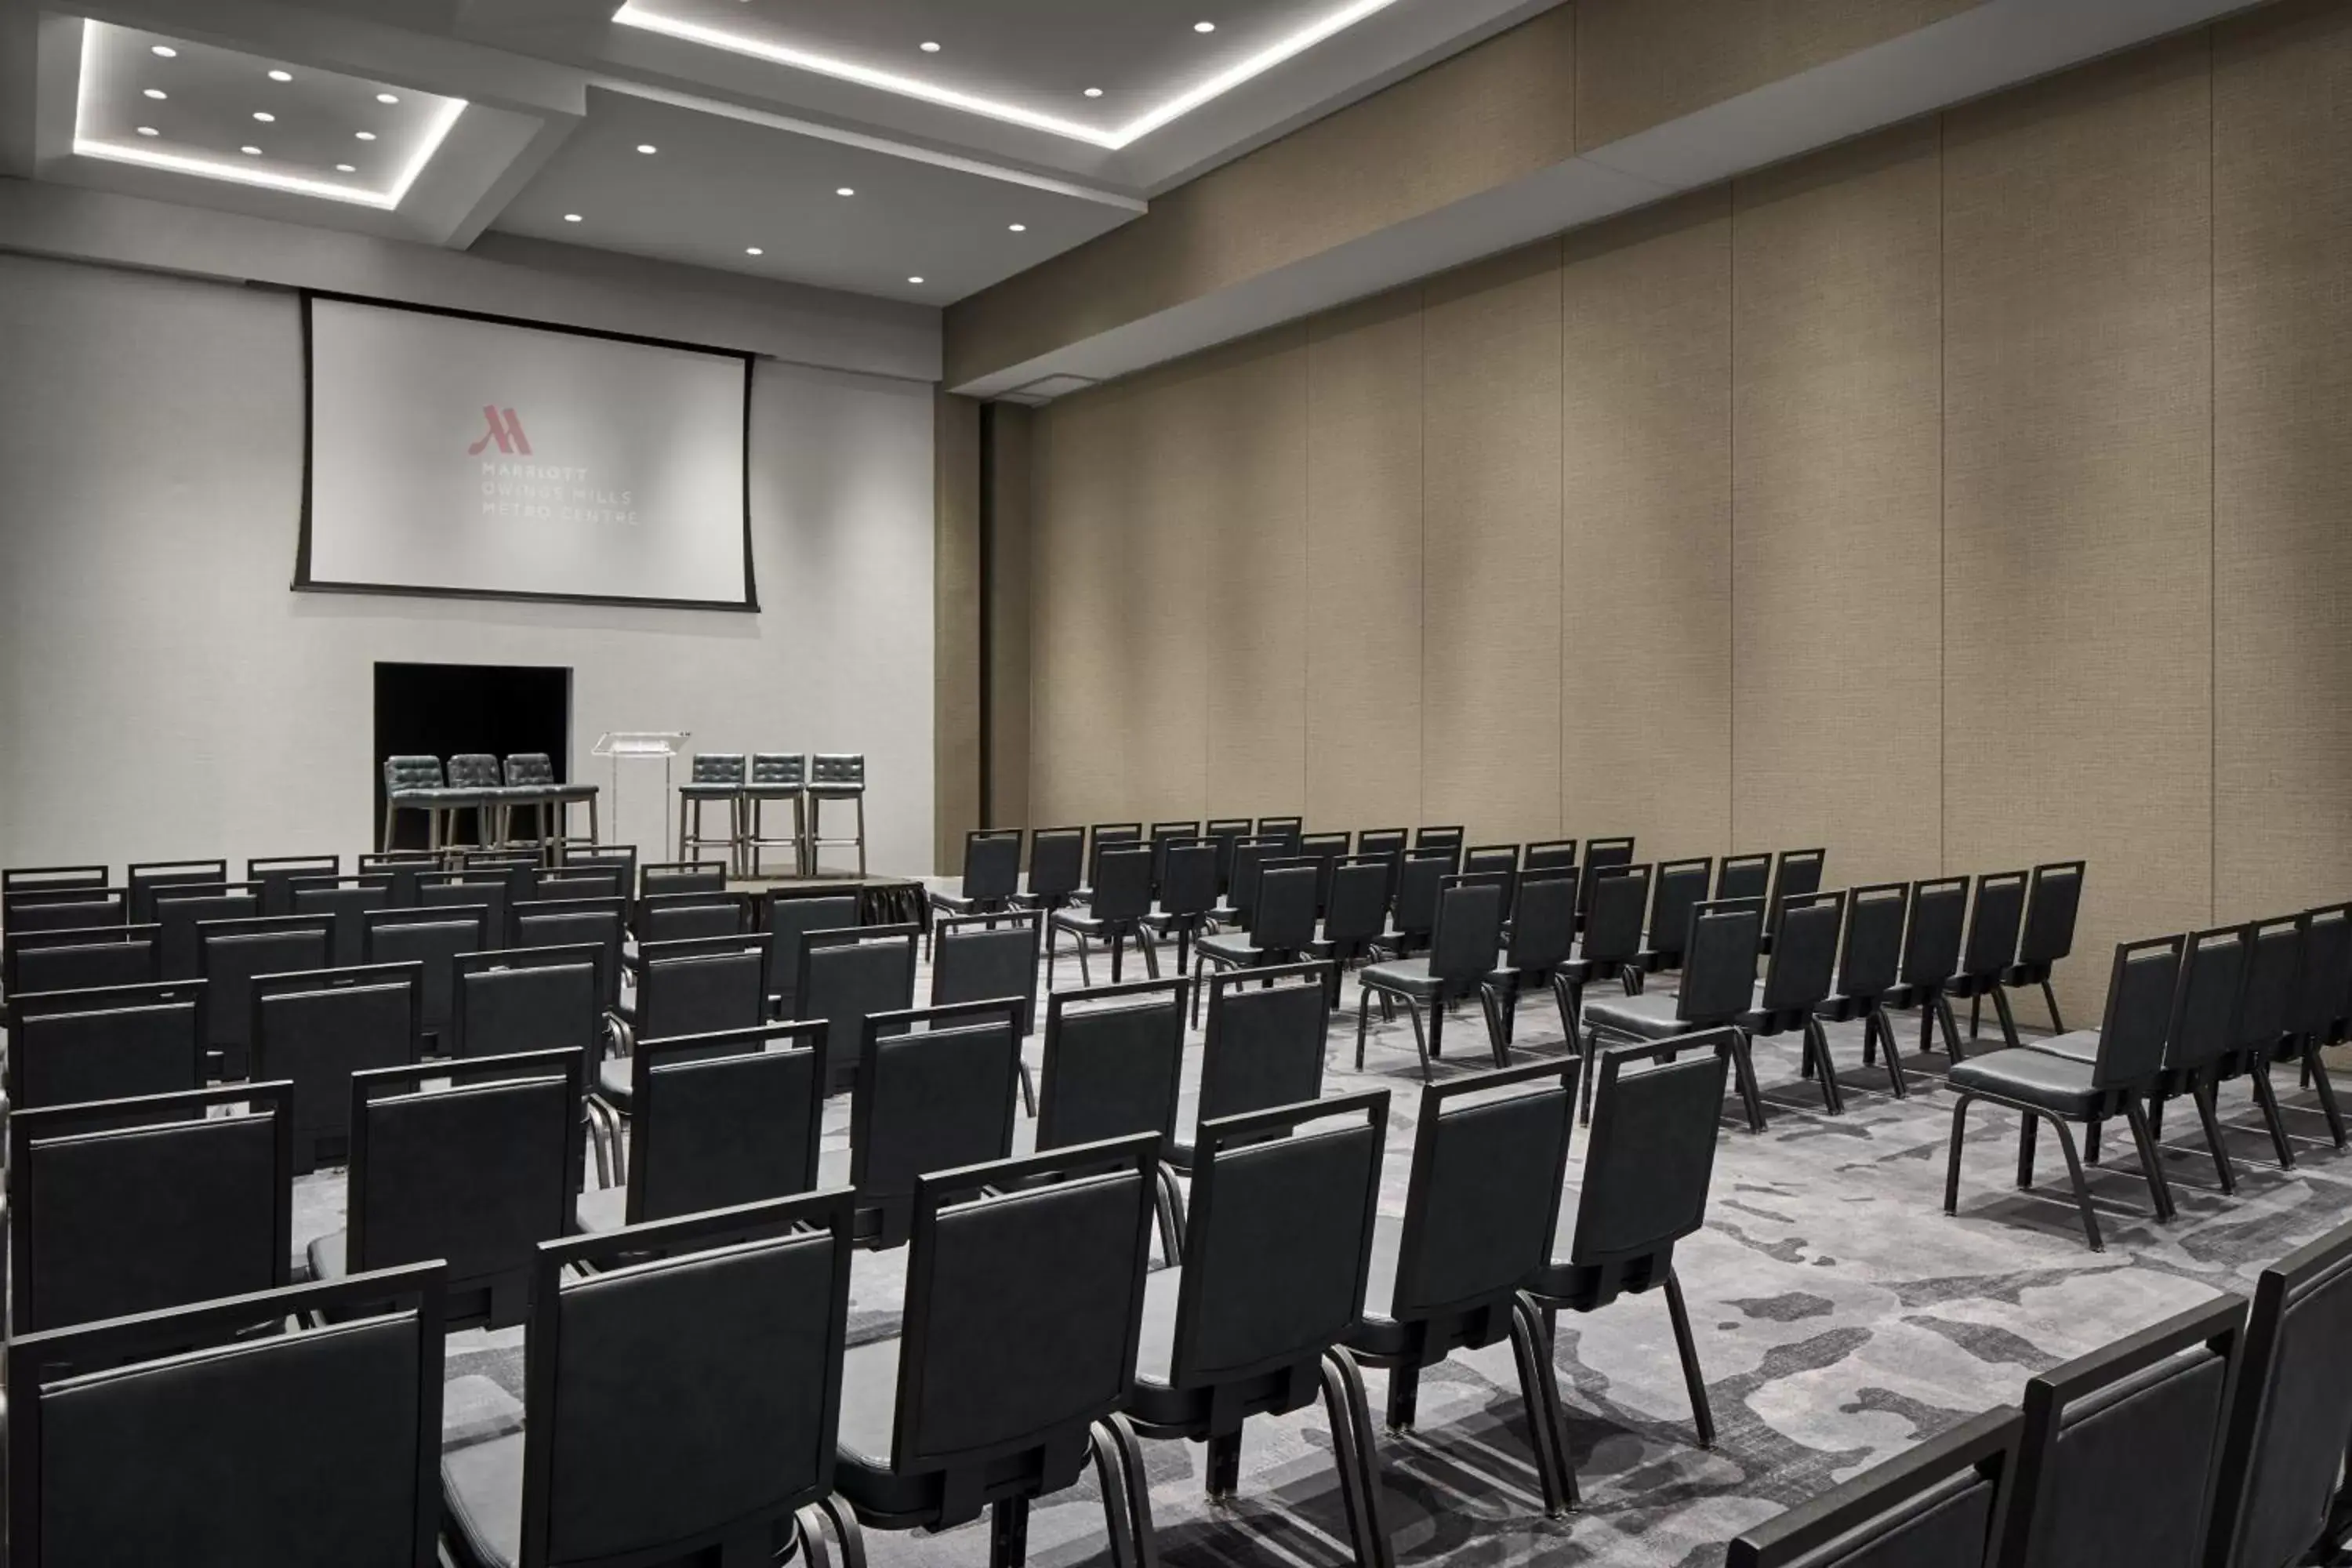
1878, 1020
1404, 1390
2267, 1098
1497, 1033
2025, 1127
1589, 1047
1540, 1390
1679, 1311
861, 832
1817, 1050
1952, 1163
1420, 1042
2151, 1162
2316, 1072
2221, 1163
1118, 954
1364, 1018
1976, 1016
1356, 1457
1951, 1030
1224, 1478
1744, 1068
1437, 1028
1150, 951
1167, 1210
2082, 1188
1126, 1493
2057, 1024
1008, 1533
1086, 975
2008, 1019
838, 1514
2091, 1141
1028, 1092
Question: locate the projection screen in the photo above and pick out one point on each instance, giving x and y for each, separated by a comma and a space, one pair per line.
470, 455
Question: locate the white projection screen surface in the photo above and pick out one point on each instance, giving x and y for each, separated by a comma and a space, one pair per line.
456, 454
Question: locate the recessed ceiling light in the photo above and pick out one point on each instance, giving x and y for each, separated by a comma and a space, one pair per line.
157, 92
914, 280
930, 48
846, 190
753, 250
1094, 92
364, 135
647, 148
281, 76
265, 116
163, 51
345, 169
387, 98
250, 151
1205, 27
1020, 228
147, 131
571, 218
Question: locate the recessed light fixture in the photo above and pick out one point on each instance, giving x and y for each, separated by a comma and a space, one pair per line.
345, 169
930, 48
281, 76
265, 116
1020, 228
387, 98
250, 151
846, 190
647, 148
914, 280
157, 93
1344, 14
364, 135
753, 250
164, 52
147, 131
1094, 92
571, 218
1205, 27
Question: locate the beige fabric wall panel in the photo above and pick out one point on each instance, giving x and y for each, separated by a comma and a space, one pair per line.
955, 625
1837, 551
1013, 447
1490, 547
1645, 658
2283, 480
2078, 484
1639, 63
1363, 565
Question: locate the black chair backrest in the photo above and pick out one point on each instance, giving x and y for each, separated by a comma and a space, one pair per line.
1024, 1307
1225, 832
1676, 888
67, 908
722, 1118
307, 1448
319, 1030
2290, 1417
1058, 857
1550, 855
1357, 908
1719, 961
2324, 974
991, 864
146, 880
347, 899
1418, 883
569, 923
681, 877
1651, 1157
2274, 957
486, 890
519, 872
1743, 876
1445, 837
72, 958
582, 882
1489, 1158
120, 1207
1931, 943
1165, 834
683, 1405
978, 958
695, 987
1188, 877
1287, 830
108, 1042
1241, 880
1265, 1043
229, 953
1933, 1506
1804, 951
1798, 872
1469, 931
277, 874
1995, 914
477, 1173
844, 976
1870, 954
431, 938
180, 909
1600, 854
402, 868
2052, 900
686, 917
1494, 861
1284, 919
33, 878
527, 999
2140, 990
790, 918
2116, 1461
1122, 882
1615, 898
620, 858
1327, 850
1388, 841
2205, 1006
1113, 1062
929, 1099
1280, 1238
1543, 922
1104, 836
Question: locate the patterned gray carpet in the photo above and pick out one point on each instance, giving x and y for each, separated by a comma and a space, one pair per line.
1841, 1318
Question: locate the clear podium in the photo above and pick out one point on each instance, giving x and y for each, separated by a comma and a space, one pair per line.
645, 745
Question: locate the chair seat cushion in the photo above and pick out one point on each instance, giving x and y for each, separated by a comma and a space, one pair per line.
1378, 1333
769, 791
2075, 1044
1402, 976
616, 1082
440, 797
709, 791
869, 1414
2029, 1078
1155, 1352
1233, 949
1083, 923
1648, 1016
602, 1209
481, 1493
837, 791
325, 1256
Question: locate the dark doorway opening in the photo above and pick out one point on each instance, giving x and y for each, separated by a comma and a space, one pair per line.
445, 710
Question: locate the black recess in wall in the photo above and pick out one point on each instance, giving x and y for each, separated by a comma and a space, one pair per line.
445, 710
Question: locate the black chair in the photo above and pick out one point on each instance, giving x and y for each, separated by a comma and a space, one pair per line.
1122, 897
1797, 980
991, 874
39, 879
2290, 1415
2116, 1459
2274, 959
576, 881
716, 1119
691, 986
1676, 888
836, 776
779, 778
936, 1089
1541, 938
1106, 835
1499, 860
2322, 981
1445, 838
1608, 911
1272, 1278
1550, 855
571, 922
1161, 836
477, 1173
716, 779
1389, 843
1489, 1157
2125, 1055
1743, 876
620, 858
679, 1409
67, 908
528, 999
1461, 955
1797, 872
554, 797
844, 976
108, 1042
1114, 1064
319, 1030
1017, 1350
1187, 880
1289, 829
147, 879
1870, 958
1647, 1168
348, 899
2204, 1031
402, 868
307, 1449
1281, 925
1240, 880
1995, 914
1601, 854
1265, 1047
1934, 1505
983, 958
121, 1206
1355, 914
74, 958
681, 877
229, 953
2052, 897
277, 875
179, 909
690, 917
1326, 850
1057, 859
791, 918
1931, 956
434, 939
1719, 988
493, 891
1225, 832
518, 870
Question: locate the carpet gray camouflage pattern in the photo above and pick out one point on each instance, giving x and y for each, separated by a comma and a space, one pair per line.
1841, 1318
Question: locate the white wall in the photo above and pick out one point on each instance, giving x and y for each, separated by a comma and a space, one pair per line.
163, 693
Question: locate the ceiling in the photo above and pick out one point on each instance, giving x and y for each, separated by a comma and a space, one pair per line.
435, 121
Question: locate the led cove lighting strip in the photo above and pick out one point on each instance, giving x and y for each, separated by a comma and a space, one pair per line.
209, 168
1225, 82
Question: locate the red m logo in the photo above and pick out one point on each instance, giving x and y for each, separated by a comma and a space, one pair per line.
506, 433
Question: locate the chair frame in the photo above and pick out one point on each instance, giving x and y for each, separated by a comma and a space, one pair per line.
1985, 1445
